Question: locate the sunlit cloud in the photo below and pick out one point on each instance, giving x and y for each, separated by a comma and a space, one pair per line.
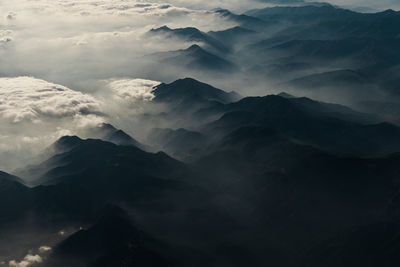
34, 113
27, 261
27, 98
133, 90
44, 249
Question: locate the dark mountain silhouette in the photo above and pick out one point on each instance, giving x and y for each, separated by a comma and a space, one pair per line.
341, 86
181, 100
107, 132
76, 183
245, 21
283, 2
304, 194
196, 58
369, 245
191, 34
389, 111
317, 125
375, 25
93, 161
191, 92
339, 53
304, 14
13, 197
345, 78
286, 95
367, 51
10, 178
326, 38
112, 241
232, 35
181, 143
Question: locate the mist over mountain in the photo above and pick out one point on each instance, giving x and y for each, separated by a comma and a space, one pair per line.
198, 133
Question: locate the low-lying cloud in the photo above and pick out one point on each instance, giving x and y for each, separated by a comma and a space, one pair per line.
31, 258
34, 113
71, 42
133, 90
27, 261
27, 98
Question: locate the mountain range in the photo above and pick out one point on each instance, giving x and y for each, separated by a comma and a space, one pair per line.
304, 174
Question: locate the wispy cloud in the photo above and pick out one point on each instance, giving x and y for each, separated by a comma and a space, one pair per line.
34, 113
27, 261
27, 98
133, 90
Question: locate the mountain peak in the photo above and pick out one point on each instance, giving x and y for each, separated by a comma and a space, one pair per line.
192, 91
163, 28
107, 126
108, 132
194, 48
389, 12
67, 142
285, 95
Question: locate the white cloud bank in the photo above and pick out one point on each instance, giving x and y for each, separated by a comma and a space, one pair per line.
72, 42
133, 90
44, 249
34, 113
30, 258
27, 98
27, 261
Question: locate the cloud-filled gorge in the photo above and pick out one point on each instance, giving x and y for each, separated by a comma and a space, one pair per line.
170, 133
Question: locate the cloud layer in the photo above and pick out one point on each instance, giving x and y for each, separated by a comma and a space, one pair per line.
133, 90
27, 261
75, 42
34, 113
26, 98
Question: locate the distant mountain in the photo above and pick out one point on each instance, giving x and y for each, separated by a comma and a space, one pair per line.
389, 111
377, 243
191, 34
10, 178
303, 193
302, 14
363, 50
179, 101
283, 2
343, 78
233, 35
328, 22
317, 125
358, 67
112, 241
373, 25
341, 86
192, 92
107, 132
92, 161
358, 53
14, 198
331, 110
195, 58
181, 143
245, 21
285, 95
